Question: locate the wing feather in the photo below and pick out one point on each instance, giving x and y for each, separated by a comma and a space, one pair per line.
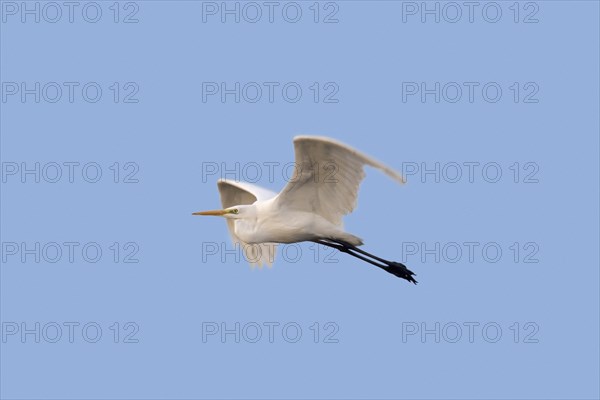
327, 177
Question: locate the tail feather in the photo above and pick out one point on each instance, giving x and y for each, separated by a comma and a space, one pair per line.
347, 238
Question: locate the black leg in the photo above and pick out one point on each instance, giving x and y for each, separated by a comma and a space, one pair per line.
348, 250
395, 268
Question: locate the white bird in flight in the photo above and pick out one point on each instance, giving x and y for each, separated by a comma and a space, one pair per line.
310, 207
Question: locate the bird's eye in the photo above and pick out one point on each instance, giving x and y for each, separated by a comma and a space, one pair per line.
235, 211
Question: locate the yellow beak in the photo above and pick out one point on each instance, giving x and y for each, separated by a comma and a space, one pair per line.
211, 212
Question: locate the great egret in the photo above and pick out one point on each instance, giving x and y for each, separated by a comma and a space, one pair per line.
310, 207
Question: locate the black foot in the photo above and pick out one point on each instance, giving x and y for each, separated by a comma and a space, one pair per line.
400, 270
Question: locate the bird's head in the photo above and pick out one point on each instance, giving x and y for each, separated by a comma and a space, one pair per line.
234, 212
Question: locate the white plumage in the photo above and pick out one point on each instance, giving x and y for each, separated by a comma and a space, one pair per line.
310, 207
242, 193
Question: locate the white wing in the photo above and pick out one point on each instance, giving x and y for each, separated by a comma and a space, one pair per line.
327, 177
241, 193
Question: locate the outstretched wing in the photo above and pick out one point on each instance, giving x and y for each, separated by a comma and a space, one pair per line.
242, 193
327, 176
